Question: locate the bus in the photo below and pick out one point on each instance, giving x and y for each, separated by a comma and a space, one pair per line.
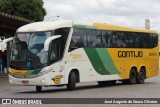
67, 52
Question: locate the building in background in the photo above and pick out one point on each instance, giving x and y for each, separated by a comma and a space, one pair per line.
8, 26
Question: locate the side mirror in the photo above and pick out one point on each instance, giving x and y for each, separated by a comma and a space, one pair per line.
49, 40
4, 43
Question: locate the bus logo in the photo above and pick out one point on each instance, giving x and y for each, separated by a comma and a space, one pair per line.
57, 79
130, 54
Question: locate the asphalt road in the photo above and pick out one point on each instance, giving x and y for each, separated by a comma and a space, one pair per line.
150, 89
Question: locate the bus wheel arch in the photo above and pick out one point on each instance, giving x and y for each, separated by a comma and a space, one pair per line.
73, 78
141, 76
76, 71
132, 76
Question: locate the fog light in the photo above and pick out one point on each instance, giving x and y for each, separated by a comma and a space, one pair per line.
42, 81
10, 81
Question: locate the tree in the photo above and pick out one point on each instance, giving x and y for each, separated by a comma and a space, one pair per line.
29, 9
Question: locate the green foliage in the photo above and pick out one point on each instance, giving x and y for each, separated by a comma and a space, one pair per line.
29, 9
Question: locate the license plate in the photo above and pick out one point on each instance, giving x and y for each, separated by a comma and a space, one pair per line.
25, 82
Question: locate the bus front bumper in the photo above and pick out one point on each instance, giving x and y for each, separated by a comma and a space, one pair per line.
44, 80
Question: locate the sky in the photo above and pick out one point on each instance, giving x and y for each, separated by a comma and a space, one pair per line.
130, 13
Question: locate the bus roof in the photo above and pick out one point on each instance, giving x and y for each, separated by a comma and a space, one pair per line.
45, 26
122, 28
50, 25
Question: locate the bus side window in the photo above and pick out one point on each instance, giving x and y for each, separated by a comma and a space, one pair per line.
153, 40
136, 40
91, 37
144, 40
106, 38
78, 39
64, 32
120, 40
113, 40
98, 40
54, 51
129, 40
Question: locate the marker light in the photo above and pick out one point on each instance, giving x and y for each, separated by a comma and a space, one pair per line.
10, 81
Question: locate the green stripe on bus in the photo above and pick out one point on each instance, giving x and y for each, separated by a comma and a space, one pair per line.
106, 58
101, 61
96, 61
36, 71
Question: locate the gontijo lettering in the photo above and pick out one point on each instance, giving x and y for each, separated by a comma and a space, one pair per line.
130, 54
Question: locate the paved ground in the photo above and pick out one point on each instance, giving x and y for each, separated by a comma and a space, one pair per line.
151, 89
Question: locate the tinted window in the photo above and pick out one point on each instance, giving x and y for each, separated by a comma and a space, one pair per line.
106, 38
120, 40
91, 38
64, 32
154, 40
129, 40
55, 51
98, 41
144, 40
136, 40
78, 39
112, 40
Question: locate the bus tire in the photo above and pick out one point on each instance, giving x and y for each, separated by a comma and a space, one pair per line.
38, 88
132, 76
141, 76
72, 81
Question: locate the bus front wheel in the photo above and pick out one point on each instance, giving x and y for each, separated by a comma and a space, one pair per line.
72, 81
38, 88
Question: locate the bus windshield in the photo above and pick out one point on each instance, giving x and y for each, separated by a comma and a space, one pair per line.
28, 49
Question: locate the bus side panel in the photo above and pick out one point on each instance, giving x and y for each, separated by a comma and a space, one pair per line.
125, 61
73, 61
104, 68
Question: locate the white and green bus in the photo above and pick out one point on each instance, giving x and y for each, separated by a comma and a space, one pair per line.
68, 52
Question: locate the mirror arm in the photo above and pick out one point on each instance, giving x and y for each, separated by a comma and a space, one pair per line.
48, 41
4, 43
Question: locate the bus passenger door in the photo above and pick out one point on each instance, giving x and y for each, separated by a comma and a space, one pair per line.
62, 71
55, 56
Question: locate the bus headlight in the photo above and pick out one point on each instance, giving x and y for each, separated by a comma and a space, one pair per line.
42, 81
10, 81
10, 73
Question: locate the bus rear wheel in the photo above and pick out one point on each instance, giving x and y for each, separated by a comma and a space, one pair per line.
133, 76
38, 88
141, 76
72, 81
